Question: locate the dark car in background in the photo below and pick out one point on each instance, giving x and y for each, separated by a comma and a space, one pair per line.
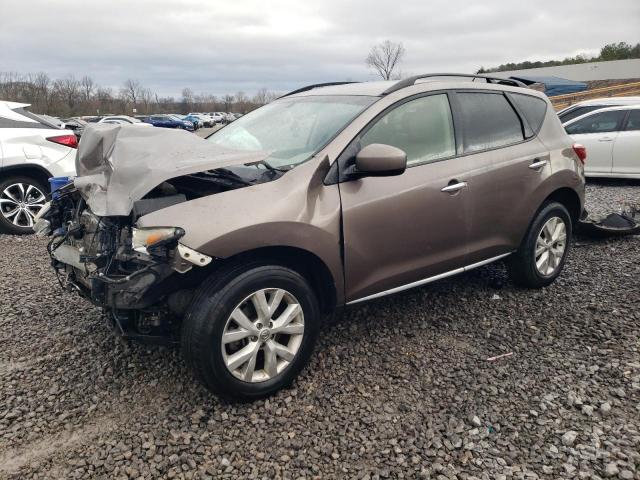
76, 125
167, 121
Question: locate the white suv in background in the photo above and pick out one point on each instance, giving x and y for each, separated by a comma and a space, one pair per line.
31, 151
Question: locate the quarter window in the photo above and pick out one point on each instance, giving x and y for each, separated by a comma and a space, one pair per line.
488, 121
600, 122
633, 123
533, 109
422, 128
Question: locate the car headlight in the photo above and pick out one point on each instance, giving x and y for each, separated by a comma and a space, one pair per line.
145, 240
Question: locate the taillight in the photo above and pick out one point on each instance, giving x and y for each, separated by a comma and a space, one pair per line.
581, 152
66, 140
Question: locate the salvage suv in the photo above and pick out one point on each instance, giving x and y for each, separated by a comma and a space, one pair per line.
236, 246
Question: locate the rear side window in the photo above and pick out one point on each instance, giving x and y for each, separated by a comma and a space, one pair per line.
532, 108
39, 122
578, 111
488, 121
422, 128
600, 122
633, 123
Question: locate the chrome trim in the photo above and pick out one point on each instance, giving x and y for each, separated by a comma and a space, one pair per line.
424, 281
454, 188
538, 164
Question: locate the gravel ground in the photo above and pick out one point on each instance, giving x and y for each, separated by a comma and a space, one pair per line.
398, 388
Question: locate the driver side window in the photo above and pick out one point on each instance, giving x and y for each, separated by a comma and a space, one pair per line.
598, 123
422, 128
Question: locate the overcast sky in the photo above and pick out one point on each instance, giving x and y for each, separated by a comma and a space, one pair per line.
222, 46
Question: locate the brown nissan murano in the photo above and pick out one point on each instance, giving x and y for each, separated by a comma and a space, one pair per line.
237, 245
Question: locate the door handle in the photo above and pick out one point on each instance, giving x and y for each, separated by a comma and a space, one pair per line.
538, 164
605, 139
454, 187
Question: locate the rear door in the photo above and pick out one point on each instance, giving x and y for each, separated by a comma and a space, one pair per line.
404, 229
626, 148
598, 132
506, 164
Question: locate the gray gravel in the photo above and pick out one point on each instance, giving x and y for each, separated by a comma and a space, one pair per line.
398, 388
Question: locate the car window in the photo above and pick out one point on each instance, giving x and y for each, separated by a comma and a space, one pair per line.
422, 128
488, 121
579, 111
598, 123
633, 122
533, 109
292, 129
38, 122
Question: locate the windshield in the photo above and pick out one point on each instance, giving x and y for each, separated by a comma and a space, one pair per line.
292, 129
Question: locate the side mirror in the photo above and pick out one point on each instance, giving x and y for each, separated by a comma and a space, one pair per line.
379, 160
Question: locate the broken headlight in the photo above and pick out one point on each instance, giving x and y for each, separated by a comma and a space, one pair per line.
151, 240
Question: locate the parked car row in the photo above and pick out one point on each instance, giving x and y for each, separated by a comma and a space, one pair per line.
609, 128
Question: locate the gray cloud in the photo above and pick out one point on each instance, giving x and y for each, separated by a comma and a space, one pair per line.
223, 47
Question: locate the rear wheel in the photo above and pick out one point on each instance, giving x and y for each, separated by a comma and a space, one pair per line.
21, 198
543, 252
251, 330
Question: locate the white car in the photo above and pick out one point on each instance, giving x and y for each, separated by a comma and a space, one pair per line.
218, 117
31, 151
123, 120
612, 139
578, 109
206, 120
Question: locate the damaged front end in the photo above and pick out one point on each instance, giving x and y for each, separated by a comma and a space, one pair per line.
144, 278
136, 274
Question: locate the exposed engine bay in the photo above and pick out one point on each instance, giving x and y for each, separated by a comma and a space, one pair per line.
143, 277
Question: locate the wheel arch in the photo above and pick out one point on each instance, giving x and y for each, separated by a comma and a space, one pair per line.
36, 172
567, 197
306, 263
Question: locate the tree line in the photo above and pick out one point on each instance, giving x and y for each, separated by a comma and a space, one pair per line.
71, 96
611, 51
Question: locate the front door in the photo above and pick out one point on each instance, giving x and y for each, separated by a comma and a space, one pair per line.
403, 229
626, 148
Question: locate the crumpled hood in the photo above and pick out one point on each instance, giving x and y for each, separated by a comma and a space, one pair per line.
119, 164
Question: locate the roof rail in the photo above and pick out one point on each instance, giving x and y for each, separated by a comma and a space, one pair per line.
407, 82
316, 85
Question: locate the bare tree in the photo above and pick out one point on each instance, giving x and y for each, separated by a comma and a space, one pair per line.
187, 98
104, 96
68, 90
241, 101
88, 86
42, 92
385, 57
228, 101
131, 91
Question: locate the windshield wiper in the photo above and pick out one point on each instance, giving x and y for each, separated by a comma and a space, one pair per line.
274, 169
225, 174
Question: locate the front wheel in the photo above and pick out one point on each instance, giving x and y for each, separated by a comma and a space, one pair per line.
543, 252
250, 331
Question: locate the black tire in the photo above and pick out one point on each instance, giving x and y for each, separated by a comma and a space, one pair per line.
212, 306
522, 264
6, 223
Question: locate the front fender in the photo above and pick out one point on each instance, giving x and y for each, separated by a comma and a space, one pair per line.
296, 210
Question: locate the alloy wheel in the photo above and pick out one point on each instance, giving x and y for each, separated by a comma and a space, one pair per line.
20, 203
550, 246
263, 335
